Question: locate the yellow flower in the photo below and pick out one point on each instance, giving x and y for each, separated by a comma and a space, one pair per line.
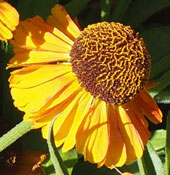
9, 19
96, 77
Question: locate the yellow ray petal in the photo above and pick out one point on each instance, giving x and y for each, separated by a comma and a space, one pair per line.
138, 121
8, 15
37, 57
31, 100
36, 75
9, 19
5, 33
55, 105
149, 107
39, 44
92, 137
63, 125
35, 32
134, 147
81, 111
61, 19
58, 33
116, 155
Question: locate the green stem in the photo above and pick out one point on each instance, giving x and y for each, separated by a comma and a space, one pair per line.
55, 156
141, 166
14, 134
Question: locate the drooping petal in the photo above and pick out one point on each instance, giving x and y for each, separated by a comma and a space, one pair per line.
148, 106
62, 124
31, 98
139, 122
61, 20
9, 19
82, 109
134, 146
63, 131
92, 136
116, 155
40, 43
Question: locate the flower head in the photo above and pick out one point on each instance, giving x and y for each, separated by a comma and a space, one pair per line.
9, 19
98, 79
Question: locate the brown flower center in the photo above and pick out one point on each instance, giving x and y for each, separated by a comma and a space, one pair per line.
111, 62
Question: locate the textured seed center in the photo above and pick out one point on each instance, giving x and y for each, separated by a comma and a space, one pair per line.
111, 62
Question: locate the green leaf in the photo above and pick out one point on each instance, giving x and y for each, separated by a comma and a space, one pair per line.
158, 139
163, 83
157, 41
48, 166
157, 163
168, 145
69, 158
105, 9
75, 7
163, 96
150, 163
120, 9
30, 8
160, 66
140, 10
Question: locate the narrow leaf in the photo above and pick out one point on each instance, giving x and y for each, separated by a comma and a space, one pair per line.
55, 157
157, 163
163, 96
105, 9
120, 9
141, 10
150, 163
163, 83
160, 66
30, 8
75, 7
157, 41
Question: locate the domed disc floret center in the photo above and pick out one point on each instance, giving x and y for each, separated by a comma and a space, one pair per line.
111, 62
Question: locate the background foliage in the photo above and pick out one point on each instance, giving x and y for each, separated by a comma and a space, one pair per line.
151, 18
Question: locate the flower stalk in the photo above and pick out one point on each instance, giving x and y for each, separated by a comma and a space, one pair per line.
15, 133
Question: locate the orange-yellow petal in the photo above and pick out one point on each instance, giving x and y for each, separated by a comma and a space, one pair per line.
35, 75
139, 122
40, 43
55, 106
92, 136
61, 20
134, 146
31, 98
116, 155
148, 106
62, 124
63, 131
82, 109
9, 19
